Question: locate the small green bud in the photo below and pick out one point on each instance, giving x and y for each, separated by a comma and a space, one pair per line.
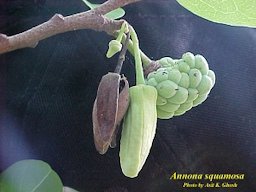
114, 47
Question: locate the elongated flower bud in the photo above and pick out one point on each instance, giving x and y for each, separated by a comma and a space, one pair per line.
139, 127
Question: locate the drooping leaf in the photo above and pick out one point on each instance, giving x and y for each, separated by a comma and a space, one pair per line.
30, 176
115, 14
230, 12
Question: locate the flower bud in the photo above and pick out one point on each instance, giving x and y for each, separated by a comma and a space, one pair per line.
114, 47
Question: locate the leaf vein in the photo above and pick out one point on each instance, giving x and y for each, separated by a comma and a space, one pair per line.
43, 179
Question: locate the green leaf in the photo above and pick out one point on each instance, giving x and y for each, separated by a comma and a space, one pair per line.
231, 12
115, 14
68, 189
30, 176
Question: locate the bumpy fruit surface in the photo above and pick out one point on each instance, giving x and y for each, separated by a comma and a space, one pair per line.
181, 84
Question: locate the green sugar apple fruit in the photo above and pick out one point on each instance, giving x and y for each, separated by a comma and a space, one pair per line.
181, 84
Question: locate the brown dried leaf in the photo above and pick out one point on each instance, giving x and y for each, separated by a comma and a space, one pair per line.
108, 110
123, 103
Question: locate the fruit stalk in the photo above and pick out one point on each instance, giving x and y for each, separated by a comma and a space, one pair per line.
139, 124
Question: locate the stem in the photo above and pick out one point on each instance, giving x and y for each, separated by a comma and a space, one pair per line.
145, 59
93, 19
121, 32
121, 57
138, 63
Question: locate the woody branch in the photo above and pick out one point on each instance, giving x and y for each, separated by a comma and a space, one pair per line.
93, 19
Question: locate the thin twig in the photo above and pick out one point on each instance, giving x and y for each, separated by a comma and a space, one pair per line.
121, 57
93, 19
145, 59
